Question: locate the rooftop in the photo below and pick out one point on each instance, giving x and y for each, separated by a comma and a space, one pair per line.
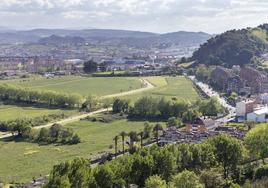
261, 111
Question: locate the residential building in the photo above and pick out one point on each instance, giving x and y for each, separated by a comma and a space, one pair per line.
258, 116
256, 80
225, 80
243, 108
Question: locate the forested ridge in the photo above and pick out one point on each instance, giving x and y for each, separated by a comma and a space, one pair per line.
234, 47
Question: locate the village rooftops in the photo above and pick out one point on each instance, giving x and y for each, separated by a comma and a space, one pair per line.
261, 111
247, 101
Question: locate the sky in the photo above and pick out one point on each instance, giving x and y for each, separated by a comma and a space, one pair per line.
160, 16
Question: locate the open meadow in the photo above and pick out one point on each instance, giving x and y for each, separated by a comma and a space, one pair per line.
11, 112
169, 87
80, 85
20, 161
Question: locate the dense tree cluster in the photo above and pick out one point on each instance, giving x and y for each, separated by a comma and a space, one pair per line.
172, 166
235, 47
90, 66
148, 107
55, 134
49, 98
202, 73
257, 140
121, 106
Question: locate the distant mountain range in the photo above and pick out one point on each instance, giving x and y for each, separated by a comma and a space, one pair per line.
123, 37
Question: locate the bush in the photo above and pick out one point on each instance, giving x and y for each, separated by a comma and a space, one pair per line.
261, 172
32, 122
57, 134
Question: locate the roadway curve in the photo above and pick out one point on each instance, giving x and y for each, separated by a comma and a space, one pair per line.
75, 118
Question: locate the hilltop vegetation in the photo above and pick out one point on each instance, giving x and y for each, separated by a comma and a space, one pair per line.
235, 47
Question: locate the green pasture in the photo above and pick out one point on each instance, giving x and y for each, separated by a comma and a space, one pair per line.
11, 112
169, 87
81, 85
20, 161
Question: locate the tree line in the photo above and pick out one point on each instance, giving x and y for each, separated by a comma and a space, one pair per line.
49, 98
181, 165
220, 161
148, 107
149, 132
54, 134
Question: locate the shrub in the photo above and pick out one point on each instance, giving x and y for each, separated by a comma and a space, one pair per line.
261, 172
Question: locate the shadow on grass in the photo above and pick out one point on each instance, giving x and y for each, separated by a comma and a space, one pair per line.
14, 139
149, 119
21, 140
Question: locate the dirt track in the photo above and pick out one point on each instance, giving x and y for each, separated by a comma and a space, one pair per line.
71, 119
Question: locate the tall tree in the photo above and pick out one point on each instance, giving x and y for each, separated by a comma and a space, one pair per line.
229, 152
141, 134
156, 130
104, 176
155, 182
186, 179
115, 145
257, 141
90, 66
123, 134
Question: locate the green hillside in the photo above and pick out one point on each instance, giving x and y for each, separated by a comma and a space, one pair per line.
235, 47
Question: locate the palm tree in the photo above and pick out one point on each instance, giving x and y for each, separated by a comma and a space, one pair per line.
115, 144
123, 134
141, 134
156, 130
133, 136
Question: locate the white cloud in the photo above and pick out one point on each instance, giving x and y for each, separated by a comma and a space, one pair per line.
151, 15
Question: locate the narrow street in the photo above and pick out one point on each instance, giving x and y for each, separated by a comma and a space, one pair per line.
211, 93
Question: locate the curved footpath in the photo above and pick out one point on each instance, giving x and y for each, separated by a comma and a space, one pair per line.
145, 82
75, 118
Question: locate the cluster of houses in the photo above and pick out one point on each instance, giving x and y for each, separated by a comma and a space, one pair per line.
244, 80
16, 66
252, 109
197, 132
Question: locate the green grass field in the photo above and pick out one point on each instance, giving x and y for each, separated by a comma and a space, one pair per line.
20, 161
80, 85
169, 87
10, 112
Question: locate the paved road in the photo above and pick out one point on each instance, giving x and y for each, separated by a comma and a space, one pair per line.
75, 118
211, 93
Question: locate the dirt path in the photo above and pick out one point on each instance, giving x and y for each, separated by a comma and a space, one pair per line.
75, 118
62, 122
145, 82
